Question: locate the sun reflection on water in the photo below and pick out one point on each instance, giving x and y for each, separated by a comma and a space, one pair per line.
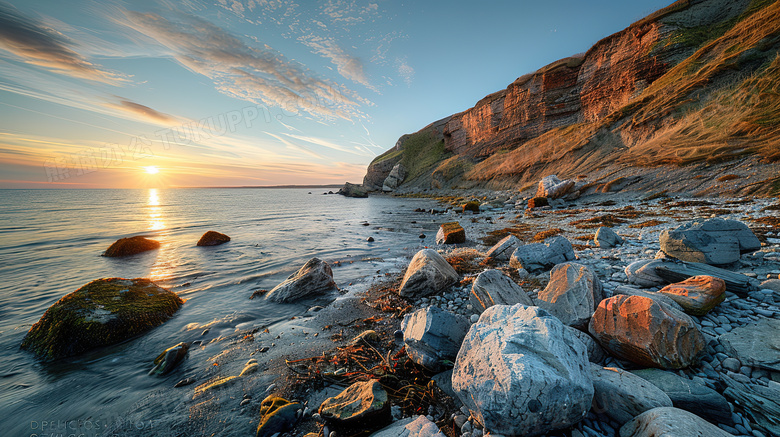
156, 222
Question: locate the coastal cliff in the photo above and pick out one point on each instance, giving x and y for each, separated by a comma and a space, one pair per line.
694, 83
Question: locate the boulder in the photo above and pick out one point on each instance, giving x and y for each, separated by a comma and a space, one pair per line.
395, 178
451, 233
353, 190
363, 405
502, 250
313, 279
410, 427
537, 202
714, 241
689, 395
642, 273
658, 297
675, 271
760, 404
169, 359
130, 246
572, 294
697, 294
538, 257
433, 336
622, 395
596, 353
670, 422
101, 313
522, 363
552, 187
771, 284
629, 328
756, 345
493, 287
277, 415
212, 238
427, 273
606, 238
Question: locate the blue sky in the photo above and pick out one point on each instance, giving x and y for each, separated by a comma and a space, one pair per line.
257, 92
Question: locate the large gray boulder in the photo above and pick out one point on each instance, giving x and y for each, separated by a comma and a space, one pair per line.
670, 422
756, 345
538, 257
642, 273
313, 279
689, 395
607, 238
522, 363
622, 395
502, 250
428, 273
675, 271
596, 353
432, 336
395, 178
572, 294
552, 187
492, 287
714, 241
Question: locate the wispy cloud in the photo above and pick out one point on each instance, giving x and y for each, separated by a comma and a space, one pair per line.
346, 12
404, 70
44, 47
348, 66
256, 74
142, 110
325, 143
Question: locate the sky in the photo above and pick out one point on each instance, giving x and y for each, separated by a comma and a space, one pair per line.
166, 93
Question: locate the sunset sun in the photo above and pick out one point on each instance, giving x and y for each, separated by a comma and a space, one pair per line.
152, 169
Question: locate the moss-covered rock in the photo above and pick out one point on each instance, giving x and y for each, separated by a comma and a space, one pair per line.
130, 246
362, 405
472, 206
213, 238
104, 312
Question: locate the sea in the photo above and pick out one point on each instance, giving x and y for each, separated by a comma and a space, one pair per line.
51, 243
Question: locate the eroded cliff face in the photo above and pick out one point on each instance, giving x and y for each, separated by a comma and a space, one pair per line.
574, 90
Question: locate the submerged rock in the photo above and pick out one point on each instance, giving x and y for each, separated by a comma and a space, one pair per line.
522, 363
493, 287
314, 278
103, 312
212, 238
670, 422
697, 294
572, 294
433, 336
363, 404
629, 328
502, 250
451, 233
169, 359
352, 190
277, 415
428, 273
130, 246
714, 241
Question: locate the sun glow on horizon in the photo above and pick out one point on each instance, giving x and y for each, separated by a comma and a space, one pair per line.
152, 169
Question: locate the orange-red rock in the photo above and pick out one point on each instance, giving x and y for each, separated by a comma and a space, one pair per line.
645, 332
697, 294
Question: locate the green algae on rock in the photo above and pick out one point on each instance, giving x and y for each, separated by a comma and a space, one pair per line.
104, 312
130, 246
277, 415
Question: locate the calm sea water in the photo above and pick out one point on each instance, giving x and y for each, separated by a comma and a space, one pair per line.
50, 245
